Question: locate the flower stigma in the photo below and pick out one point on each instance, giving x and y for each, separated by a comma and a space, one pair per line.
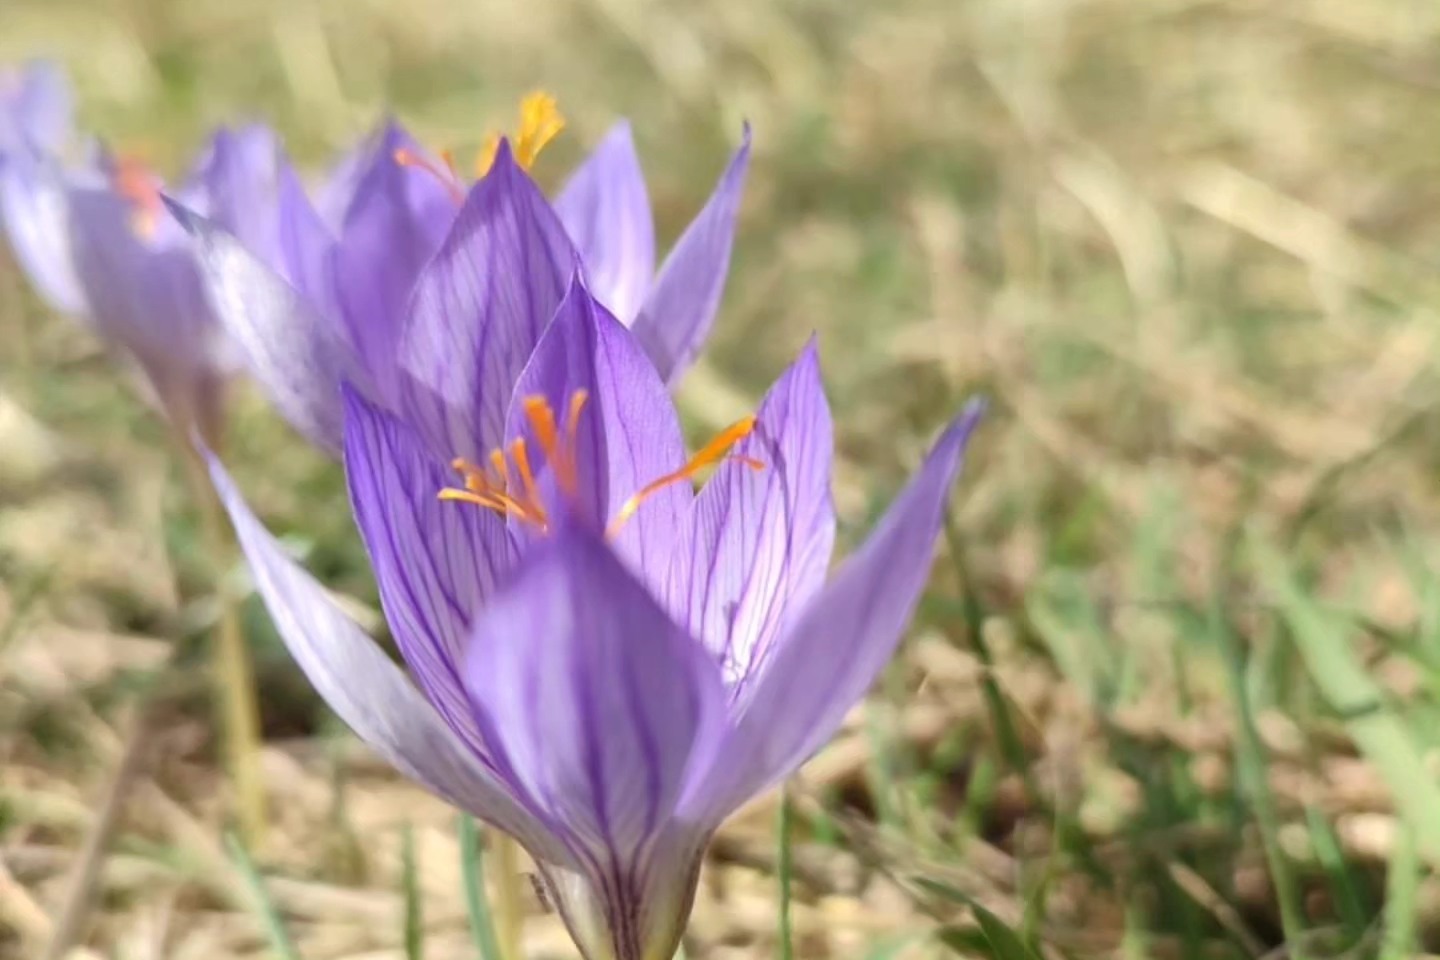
506, 483
540, 122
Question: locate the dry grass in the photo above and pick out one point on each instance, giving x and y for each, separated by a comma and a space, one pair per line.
1186, 246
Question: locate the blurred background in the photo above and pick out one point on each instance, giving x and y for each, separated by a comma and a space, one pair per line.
1175, 689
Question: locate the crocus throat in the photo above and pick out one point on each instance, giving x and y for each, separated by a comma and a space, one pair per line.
135, 183
506, 483
540, 122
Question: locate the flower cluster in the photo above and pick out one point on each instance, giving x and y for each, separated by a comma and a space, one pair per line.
603, 661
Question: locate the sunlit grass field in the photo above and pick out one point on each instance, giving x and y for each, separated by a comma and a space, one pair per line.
1175, 689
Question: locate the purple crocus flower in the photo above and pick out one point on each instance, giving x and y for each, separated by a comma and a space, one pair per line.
36, 111
350, 262
605, 663
98, 243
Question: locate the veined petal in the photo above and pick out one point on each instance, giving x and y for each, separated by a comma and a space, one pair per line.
635, 916
606, 210
295, 351
838, 645
677, 315
307, 252
628, 433
369, 692
478, 310
758, 542
397, 219
35, 210
435, 562
594, 703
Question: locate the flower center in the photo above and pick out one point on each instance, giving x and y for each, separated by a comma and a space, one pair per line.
506, 483
540, 122
135, 183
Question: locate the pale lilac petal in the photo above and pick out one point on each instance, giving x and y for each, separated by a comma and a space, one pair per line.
395, 223
238, 179
333, 196
147, 299
758, 542
592, 701
296, 353
36, 108
436, 562
479, 309
628, 433
369, 692
606, 210
677, 315
831, 655
307, 250
34, 208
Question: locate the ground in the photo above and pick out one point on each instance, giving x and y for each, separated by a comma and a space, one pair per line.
1175, 686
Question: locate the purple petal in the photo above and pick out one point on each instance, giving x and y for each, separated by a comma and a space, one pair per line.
34, 208
367, 690
832, 654
677, 315
627, 435
238, 179
606, 210
332, 198
36, 108
307, 250
396, 221
295, 352
147, 299
759, 541
435, 561
479, 309
594, 702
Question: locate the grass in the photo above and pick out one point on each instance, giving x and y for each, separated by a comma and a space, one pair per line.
1175, 689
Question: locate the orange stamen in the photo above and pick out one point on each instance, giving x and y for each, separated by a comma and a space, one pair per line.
713, 452
133, 181
406, 157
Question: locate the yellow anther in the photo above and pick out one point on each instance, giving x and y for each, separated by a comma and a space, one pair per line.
540, 122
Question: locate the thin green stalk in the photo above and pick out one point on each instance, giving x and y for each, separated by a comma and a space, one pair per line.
477, 902
414, 910
784, 870
275, 931
509, 916
230, 662
1250, 761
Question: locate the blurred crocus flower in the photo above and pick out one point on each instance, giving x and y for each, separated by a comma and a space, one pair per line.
98, 243
36, 112
605, 663
351, 258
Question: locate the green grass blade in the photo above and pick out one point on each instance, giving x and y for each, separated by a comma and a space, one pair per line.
1344, 890
275, 930
1323, 640
477, 901
414, 916
784, 869
1402, 885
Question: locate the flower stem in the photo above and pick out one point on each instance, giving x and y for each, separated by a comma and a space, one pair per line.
509, 917
233, 676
